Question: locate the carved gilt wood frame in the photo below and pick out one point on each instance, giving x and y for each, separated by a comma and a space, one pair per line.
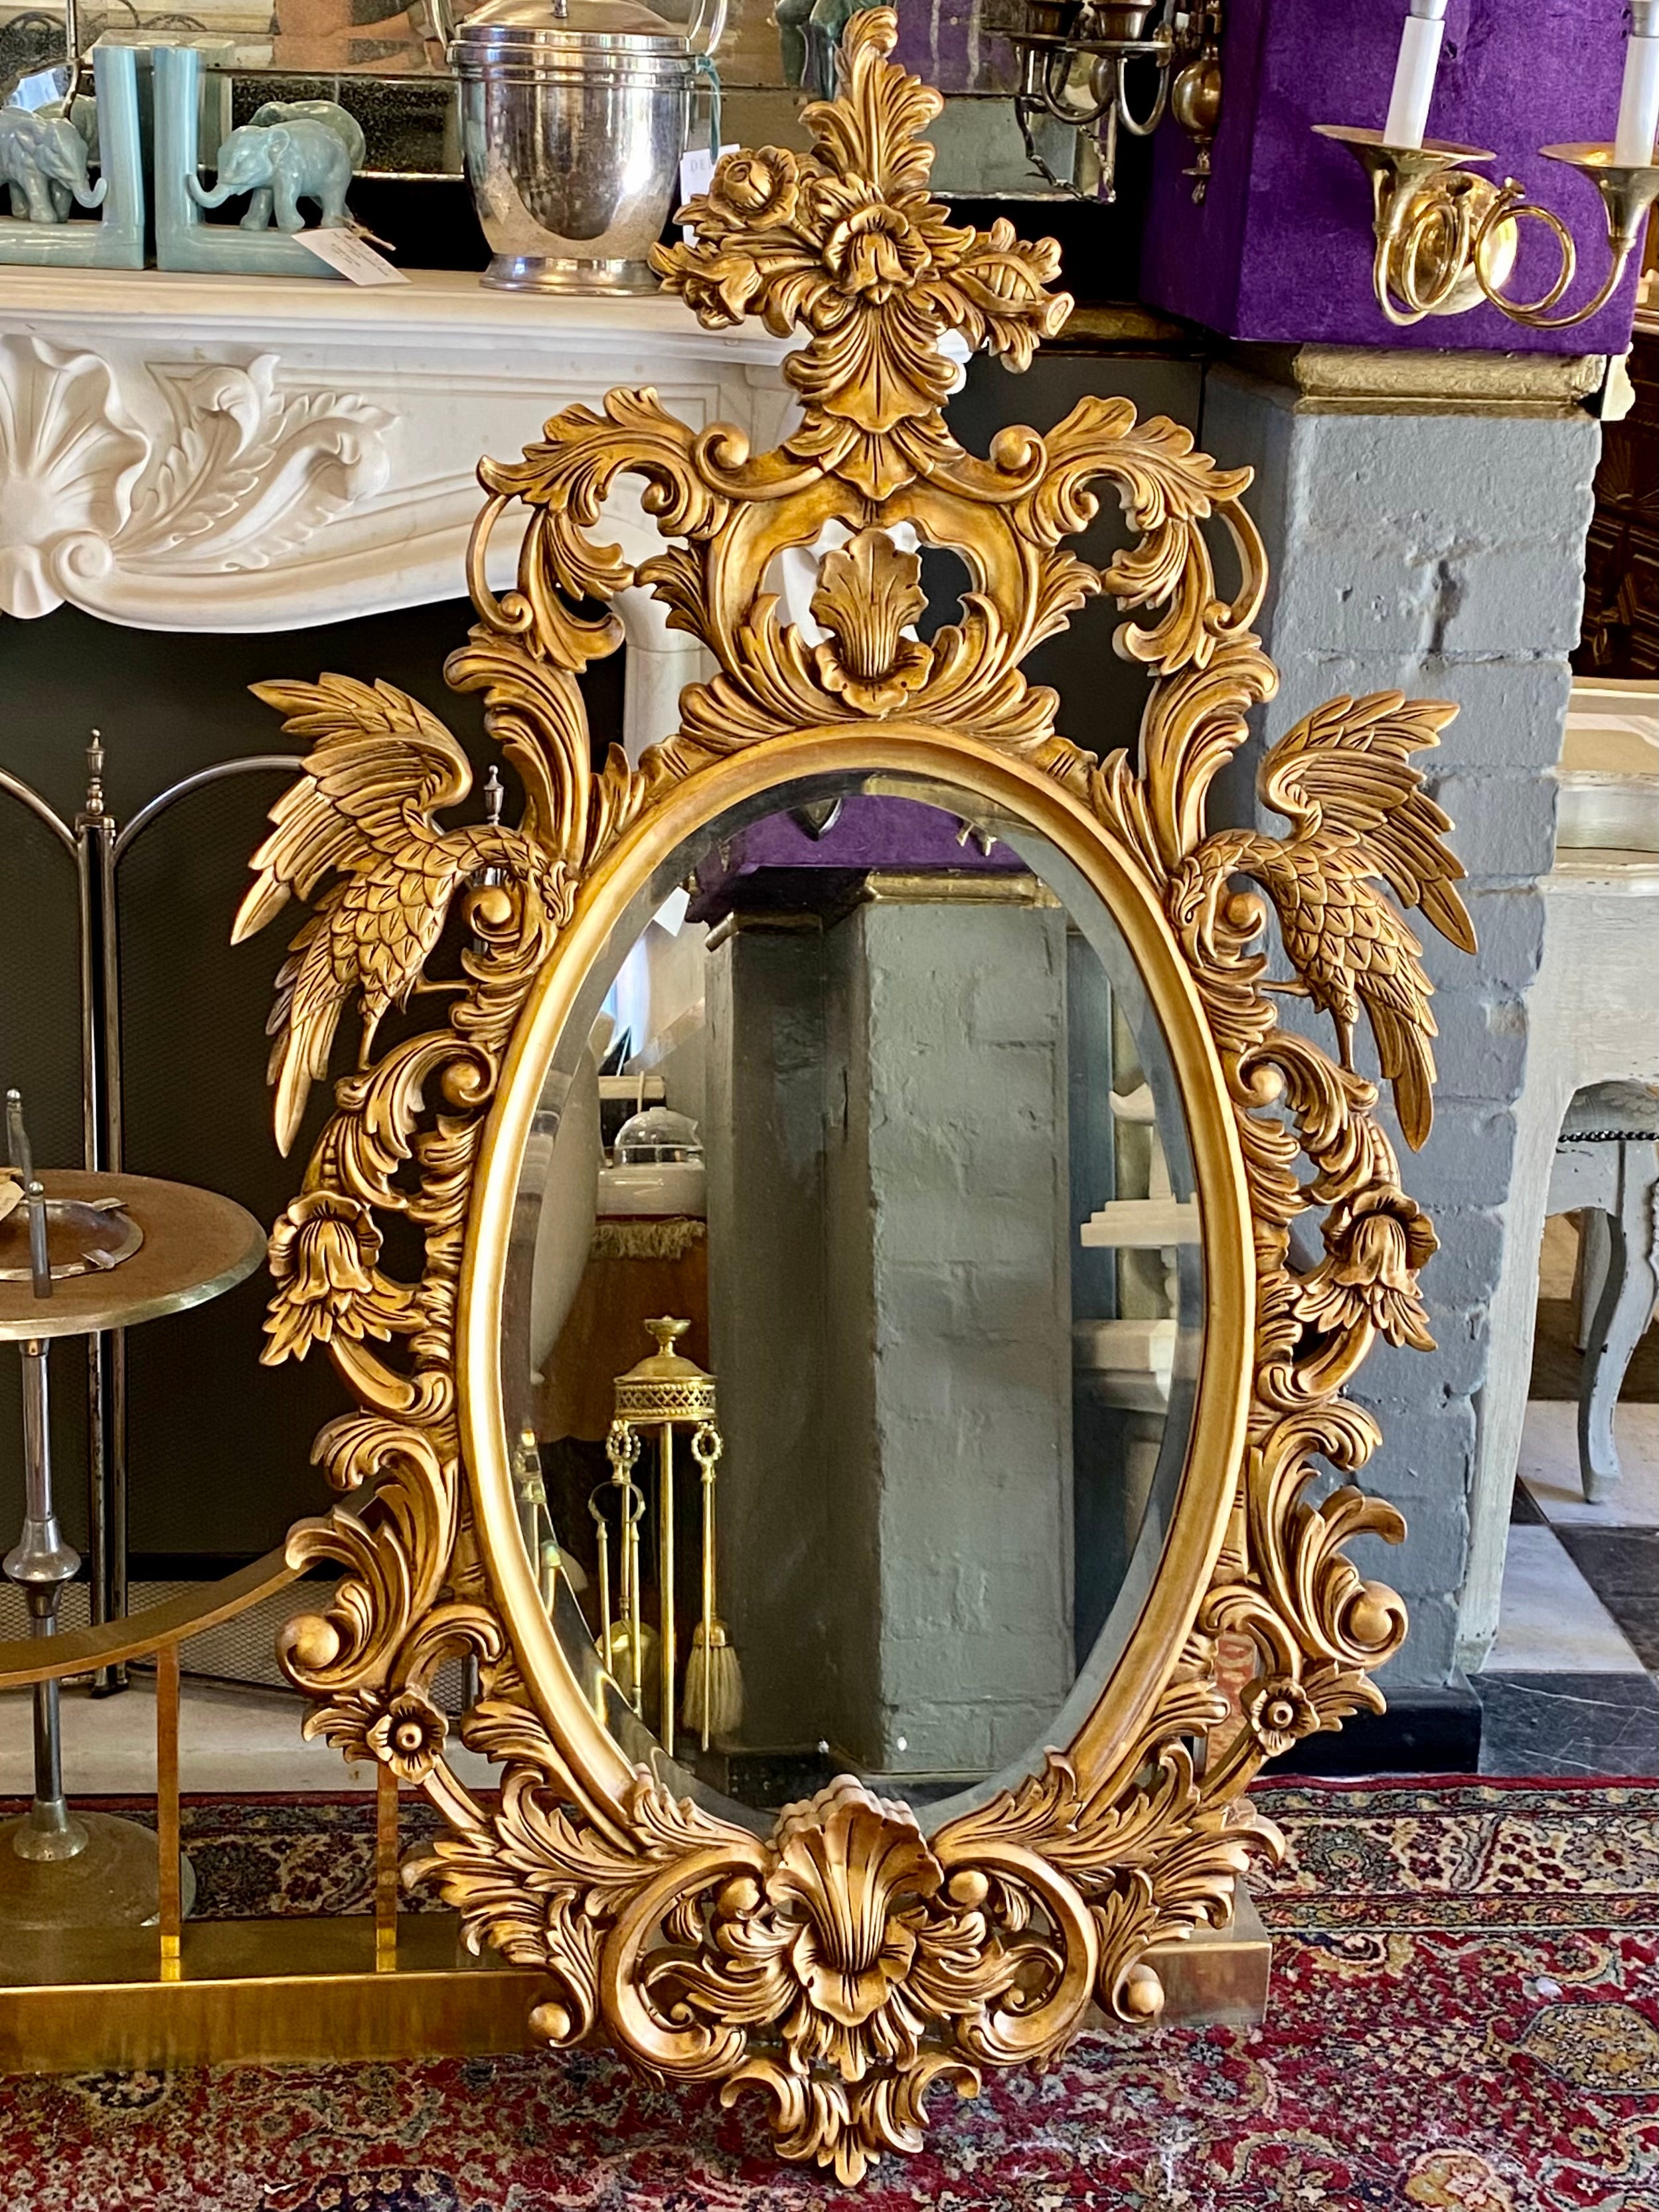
848, 1962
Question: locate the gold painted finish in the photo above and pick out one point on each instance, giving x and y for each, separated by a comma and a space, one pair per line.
294, 1992
170, 1910
82, 1650
83, 1236
1219, 1977
1378, 380
849, 1962
110, 1883
196, 1245
266, 1992
386, 1869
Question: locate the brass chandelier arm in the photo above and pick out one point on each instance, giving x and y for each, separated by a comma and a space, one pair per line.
1184, 50
1143, 127
1056, 58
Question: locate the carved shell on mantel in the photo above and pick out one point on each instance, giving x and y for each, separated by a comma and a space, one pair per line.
176, 471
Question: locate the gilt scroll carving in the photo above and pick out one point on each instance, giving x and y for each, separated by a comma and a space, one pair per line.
848, 1964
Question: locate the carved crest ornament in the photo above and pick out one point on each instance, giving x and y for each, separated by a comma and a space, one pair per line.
849, 1962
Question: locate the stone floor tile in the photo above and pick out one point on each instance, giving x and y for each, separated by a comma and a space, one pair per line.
1550, 1620
1569, 1724
1549, 1465
1621, 1566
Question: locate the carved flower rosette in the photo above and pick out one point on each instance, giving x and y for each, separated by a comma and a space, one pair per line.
849, 1962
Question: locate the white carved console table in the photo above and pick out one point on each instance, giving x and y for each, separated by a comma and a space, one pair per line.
255, 453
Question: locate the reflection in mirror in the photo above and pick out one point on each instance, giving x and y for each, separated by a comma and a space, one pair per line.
369, 40
853, 1315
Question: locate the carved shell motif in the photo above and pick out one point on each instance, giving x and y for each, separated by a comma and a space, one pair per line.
846, 1964
868, 595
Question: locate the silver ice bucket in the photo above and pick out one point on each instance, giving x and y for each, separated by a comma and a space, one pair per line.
574, 120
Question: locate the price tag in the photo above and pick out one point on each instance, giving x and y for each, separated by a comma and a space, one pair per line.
42, 89
697, 174
353, 256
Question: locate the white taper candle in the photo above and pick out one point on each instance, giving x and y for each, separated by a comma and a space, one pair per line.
1638, 103
1413, 75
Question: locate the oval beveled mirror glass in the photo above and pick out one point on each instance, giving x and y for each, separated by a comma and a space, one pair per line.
866, 1097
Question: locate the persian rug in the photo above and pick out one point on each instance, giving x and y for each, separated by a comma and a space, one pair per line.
1465, 2018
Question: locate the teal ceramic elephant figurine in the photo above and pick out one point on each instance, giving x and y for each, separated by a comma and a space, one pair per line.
43, 162
289, 151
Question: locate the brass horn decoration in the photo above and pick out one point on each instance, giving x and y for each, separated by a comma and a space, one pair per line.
851, 1960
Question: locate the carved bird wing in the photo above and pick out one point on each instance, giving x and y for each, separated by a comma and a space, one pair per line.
1352, 950
378, 766
1344, 772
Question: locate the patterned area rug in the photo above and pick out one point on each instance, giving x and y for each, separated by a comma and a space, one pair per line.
1465, 2018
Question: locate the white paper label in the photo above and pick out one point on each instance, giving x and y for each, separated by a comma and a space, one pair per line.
671, 914
42, 89
697, 174
353, 256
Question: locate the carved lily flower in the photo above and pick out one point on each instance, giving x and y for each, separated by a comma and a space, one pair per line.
1374, 1247
873, 249
868, 595
1280, 1712
408, 1736
322, 1251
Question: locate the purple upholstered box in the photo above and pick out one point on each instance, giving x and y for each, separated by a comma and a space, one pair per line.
868, 833
1280, 250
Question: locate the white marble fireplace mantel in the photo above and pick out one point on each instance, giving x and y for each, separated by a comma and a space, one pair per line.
183, 453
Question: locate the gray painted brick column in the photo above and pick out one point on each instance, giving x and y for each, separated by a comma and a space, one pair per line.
1441, 554
890, 1320
950, 1303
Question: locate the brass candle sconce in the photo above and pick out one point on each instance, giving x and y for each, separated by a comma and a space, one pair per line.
1060, 37
1448, 238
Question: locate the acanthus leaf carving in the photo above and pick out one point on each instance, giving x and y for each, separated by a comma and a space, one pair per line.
242, 474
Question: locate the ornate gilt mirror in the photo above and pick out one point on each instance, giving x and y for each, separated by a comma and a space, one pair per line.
845, 1475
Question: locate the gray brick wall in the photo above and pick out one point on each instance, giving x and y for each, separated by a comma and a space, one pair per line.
890, 1300
1443, 555
966, 1197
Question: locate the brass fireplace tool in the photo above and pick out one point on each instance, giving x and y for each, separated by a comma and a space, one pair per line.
664, 1393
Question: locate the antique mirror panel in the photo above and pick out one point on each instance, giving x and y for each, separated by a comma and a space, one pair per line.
896, 1134
1009, 1258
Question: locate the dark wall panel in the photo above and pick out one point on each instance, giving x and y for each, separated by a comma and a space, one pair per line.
219, 1445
